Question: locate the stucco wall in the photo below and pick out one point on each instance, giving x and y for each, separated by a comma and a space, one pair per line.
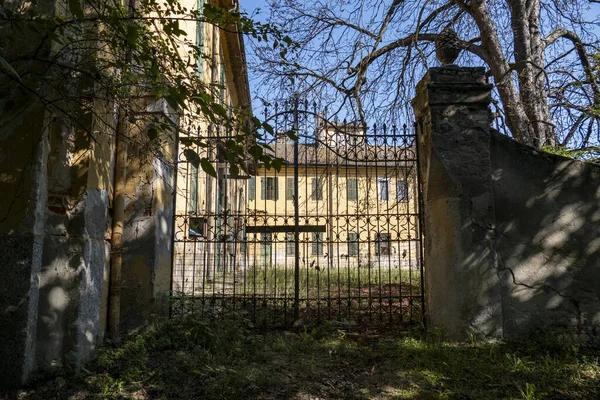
547, 210
148, 229
511, 233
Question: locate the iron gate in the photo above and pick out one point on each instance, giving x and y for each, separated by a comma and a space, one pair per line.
333, 235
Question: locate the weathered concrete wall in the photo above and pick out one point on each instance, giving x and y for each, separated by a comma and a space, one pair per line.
511, 239
461, 279
56, 178
547, 240
148, 231
75, 258
23, 185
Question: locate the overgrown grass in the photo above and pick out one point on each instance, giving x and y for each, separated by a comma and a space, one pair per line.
279, 280
189, 358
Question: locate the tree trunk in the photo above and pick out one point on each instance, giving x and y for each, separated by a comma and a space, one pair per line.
516, 117
529, 64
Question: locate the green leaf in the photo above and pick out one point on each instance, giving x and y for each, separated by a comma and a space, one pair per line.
9, 69
277, 163
172, 102
220, 110
192, 157
268, 128
207, 167
76, 9
255, 151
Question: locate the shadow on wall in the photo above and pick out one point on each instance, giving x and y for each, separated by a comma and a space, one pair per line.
547, 210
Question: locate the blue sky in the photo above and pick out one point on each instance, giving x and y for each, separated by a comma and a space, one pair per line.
250, 5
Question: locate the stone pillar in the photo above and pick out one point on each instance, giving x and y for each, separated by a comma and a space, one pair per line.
461, 279
148, 230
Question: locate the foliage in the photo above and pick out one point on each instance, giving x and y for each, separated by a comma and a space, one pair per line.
589, 154
194, 358
71, 57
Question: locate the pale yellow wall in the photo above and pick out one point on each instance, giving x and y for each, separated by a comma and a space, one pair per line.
366, 216
216, 64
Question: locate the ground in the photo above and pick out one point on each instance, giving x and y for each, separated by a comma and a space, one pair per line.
190, 358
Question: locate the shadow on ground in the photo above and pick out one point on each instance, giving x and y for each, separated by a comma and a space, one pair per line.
194, 359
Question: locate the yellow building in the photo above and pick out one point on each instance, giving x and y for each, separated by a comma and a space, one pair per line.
357, 204
202, 199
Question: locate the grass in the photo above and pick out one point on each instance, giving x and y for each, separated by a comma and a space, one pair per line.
279, 280
190, 358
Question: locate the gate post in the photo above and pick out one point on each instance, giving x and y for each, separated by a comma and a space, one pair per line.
462, 293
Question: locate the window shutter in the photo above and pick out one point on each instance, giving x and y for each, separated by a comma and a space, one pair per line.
252, 188
402, 191
353, 244
383, 189
352, 190
290, 189
317, 189
276, 188
200, 38
263, 188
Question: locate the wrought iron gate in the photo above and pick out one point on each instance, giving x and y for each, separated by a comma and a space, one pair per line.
333, 235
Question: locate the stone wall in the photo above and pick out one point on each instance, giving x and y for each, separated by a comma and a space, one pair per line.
511, 237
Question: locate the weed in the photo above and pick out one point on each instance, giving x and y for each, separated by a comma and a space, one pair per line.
190, 358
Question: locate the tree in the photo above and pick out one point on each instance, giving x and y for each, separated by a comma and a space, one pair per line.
66, 56
369, 55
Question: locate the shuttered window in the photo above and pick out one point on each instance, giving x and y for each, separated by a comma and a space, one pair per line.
317, 244
352, 189
353, 244
269, 189
252, 188
200, 39
401, 191
317, 189
383, 244
290, 245
289, 194
383, 189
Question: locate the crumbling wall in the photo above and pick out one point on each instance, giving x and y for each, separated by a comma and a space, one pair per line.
547, 240
511, 233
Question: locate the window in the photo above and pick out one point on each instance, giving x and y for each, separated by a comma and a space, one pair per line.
352, 189
383, 189
290, 245
200, 39
401, 191
265, 245
317, 189
317, 244
252, 188
289, 193
382, 247
243, 243
196, 227
353, 244
194, 189
268, 190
